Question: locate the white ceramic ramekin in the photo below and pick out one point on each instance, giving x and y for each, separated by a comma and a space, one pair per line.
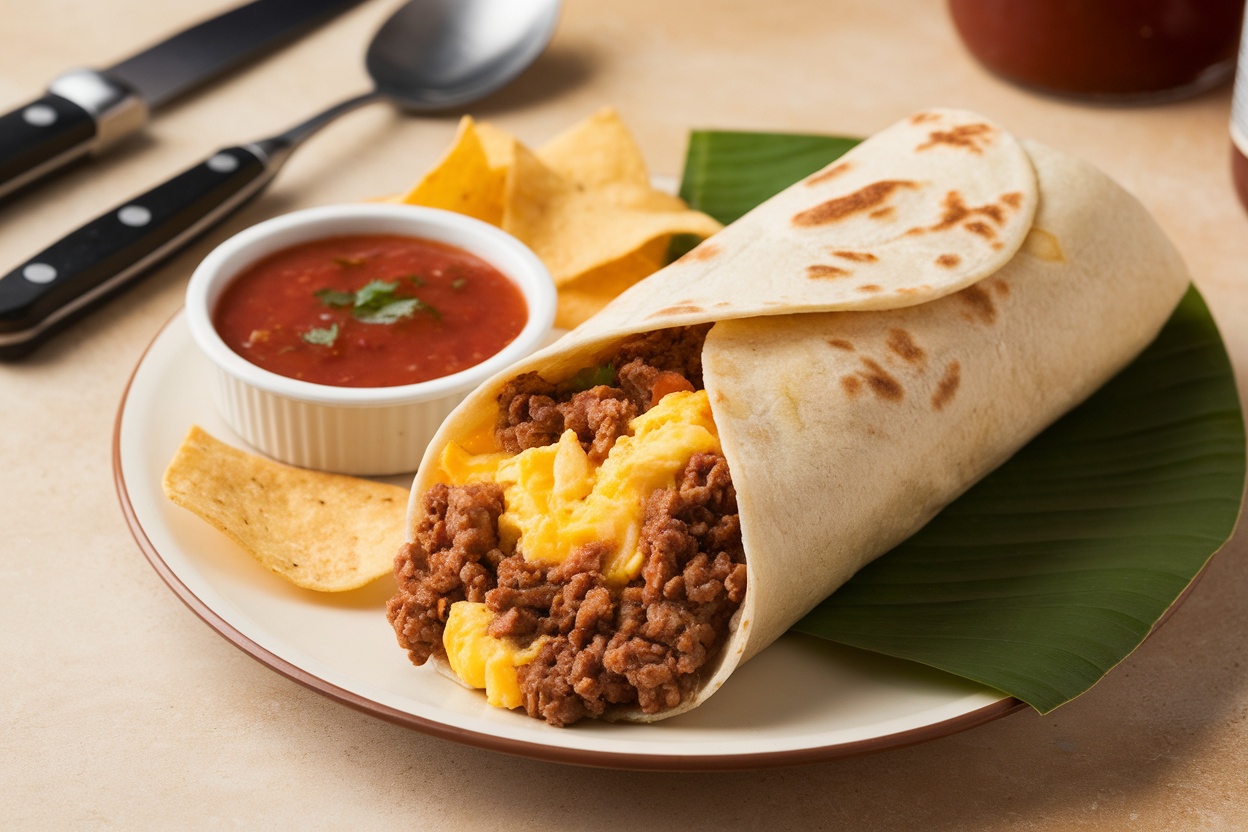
351, 430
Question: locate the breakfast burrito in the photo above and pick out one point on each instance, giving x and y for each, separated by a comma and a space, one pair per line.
612, 526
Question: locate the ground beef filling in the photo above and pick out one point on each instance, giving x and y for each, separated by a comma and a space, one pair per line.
644, 644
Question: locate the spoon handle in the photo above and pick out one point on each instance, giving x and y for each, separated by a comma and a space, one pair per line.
111, 252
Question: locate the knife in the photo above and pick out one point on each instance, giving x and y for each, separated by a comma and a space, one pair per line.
86, 110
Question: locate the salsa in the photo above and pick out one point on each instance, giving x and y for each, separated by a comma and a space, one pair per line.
1104, 49
373, 310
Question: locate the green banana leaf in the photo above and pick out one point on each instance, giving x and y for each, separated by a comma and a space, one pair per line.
1050, 571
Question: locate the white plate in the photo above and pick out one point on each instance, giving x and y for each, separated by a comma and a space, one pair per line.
801, 700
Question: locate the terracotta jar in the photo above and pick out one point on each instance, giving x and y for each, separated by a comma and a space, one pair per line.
1104, 50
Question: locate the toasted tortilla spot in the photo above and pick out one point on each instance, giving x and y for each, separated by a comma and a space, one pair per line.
924, 117
902, 344
857, 256
1042, 244
852, 386
1013, 199
881, 383
686, 309
971, 137
947, 387
957, 212
948, 260
993, 212
870, 287
983, 229
882, 213
701, 253
821, 270
865, 199
841, 344
828, 173
979, 304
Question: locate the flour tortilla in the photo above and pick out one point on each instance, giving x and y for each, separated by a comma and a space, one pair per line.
887, 332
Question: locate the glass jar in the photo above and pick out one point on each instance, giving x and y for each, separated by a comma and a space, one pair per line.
1104, 50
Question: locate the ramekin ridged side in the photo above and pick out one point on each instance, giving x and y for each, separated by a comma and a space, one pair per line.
364, 441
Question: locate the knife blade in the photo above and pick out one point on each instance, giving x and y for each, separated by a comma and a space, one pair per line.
86, 110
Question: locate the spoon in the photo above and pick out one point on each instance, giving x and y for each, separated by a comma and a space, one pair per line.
431, 55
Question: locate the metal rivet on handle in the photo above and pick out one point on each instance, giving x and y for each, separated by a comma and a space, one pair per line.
223, 163
39, 273
134, 216
39, 115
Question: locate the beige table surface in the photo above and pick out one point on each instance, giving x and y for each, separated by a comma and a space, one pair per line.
119, 708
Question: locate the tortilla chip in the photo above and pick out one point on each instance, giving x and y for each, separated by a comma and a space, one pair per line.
582, 298
464, 180
583, 202
575, 230
325, 532
498, 144
598, 152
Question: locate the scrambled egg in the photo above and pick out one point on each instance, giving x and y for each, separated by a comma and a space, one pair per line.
481, 660
556, 500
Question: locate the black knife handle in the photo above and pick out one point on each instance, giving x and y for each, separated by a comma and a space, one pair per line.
111, 252
40, 137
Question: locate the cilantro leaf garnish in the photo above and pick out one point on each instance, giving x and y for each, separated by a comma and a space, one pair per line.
321, 337
388, 312
378, 302
335, 298
375, 294
459, 282
431, 311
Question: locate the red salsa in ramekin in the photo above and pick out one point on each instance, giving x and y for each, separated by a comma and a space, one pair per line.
369, 310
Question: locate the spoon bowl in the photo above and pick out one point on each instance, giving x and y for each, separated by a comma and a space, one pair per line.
446, 53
